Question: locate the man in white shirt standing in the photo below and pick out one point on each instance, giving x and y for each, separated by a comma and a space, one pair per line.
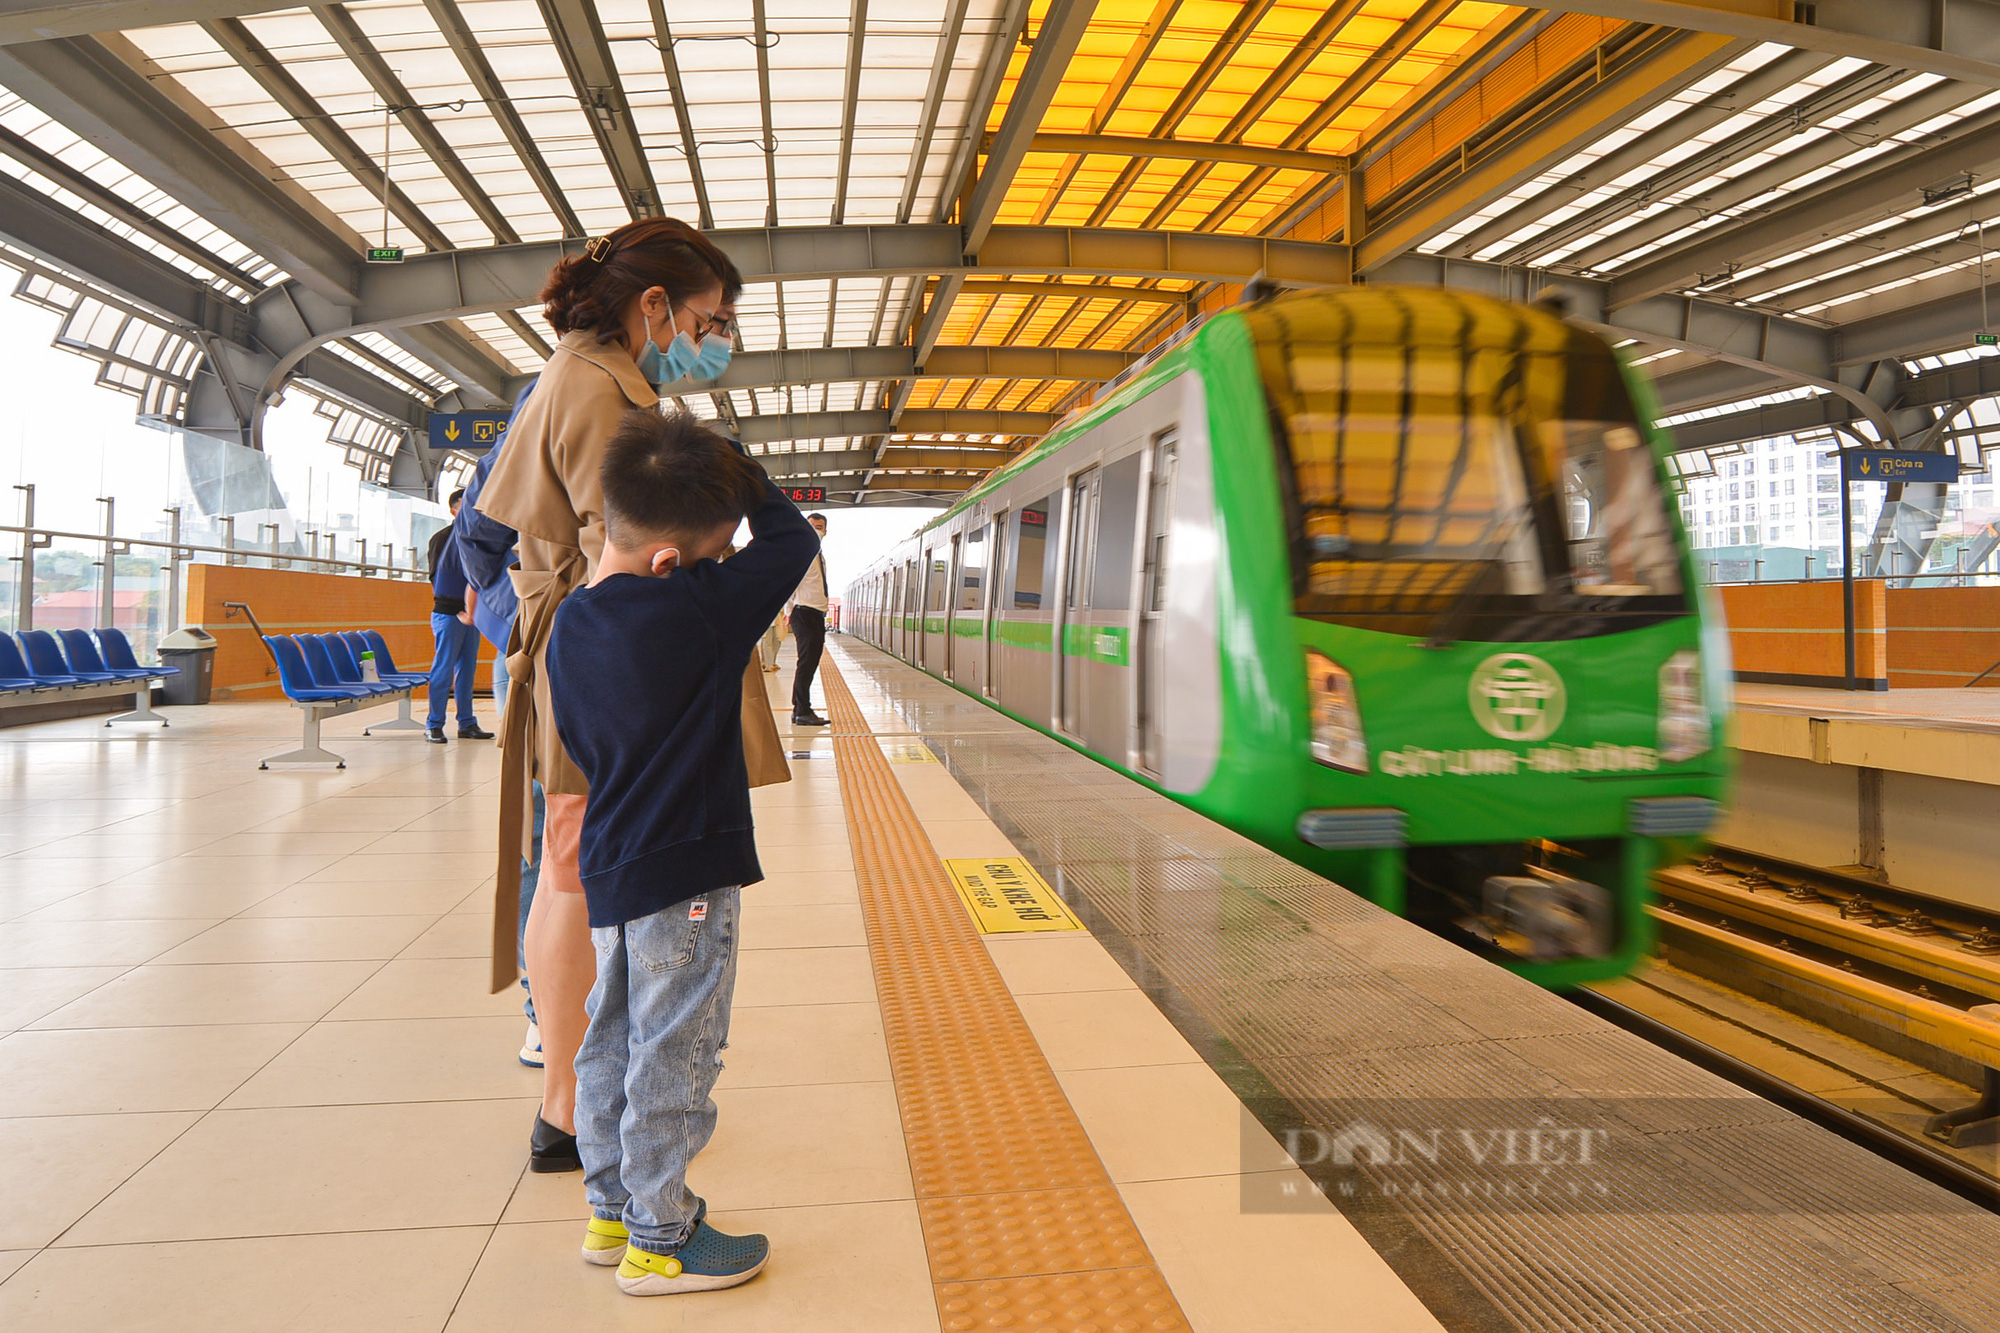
808, 621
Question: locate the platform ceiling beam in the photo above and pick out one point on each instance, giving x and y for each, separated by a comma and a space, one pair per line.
101, 99
593, 73
1959, 39
1778, 76
1838, 205
39, 20
833, 365
1628, 90
777, 427
1189, 150
833, 465
452, 284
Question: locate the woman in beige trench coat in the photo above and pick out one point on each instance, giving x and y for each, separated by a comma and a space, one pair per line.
627, 294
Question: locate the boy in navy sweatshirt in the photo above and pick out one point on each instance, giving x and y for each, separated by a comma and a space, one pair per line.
646, 667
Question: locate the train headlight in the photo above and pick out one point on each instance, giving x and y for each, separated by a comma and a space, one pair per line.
1685, 729
1337, 738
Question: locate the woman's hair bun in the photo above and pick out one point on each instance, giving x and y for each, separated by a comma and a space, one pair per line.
591, 290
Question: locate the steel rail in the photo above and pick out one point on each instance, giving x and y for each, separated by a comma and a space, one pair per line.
1912, 1154
1917, 943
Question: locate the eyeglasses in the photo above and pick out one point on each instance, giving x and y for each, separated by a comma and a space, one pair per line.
711, 323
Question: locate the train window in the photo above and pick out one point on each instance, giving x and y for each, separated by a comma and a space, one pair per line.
935, 581
1619, 541
972, 570
1117, 515
1034, 552
1459, 468
1080, 490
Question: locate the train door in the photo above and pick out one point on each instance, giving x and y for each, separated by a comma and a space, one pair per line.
948, 650
892, 614
1106, 646
1073, 633
968, 618
920, 653
906, 638
1025, 613
931, 615
1151, 656
999, 577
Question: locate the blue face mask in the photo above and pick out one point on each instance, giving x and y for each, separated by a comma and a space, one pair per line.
712, 358
665, 367
684, 359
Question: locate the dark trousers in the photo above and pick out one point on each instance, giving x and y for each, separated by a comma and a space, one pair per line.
809, 628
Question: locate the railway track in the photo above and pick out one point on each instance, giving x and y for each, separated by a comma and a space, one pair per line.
1901, 971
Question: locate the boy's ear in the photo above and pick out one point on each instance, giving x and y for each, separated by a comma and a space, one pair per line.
666, 560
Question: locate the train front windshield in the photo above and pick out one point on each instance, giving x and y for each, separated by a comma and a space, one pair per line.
1458, 468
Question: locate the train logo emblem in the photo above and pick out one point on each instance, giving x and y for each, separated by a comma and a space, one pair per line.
1517, 697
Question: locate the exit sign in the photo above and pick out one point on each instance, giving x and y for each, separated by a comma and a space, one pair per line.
385, 254
806, 495
1987, 339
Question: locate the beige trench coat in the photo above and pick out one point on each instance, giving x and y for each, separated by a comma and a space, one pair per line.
546, 487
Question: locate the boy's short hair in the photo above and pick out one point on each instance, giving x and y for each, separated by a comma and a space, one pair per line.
671, 477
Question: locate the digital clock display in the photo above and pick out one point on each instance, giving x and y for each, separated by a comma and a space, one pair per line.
806, 495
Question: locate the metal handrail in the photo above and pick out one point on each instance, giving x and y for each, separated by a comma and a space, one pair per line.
364, 568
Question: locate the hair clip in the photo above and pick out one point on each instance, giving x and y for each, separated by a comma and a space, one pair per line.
597, 248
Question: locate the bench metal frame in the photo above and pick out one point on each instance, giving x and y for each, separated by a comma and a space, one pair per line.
310, 751
140, 690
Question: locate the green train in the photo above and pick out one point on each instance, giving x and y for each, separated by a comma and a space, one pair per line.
1389, 580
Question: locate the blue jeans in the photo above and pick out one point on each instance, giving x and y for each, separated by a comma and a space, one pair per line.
451, 669
659, 1018
500, 681
531, 875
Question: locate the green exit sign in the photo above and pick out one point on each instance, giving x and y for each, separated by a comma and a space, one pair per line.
1987, 339
385, 254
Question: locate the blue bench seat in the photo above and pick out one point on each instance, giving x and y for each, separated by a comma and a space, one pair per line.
321, 675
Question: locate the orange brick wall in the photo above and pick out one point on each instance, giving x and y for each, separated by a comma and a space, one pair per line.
1791, 633
1943, 637
1913, 638
288, 601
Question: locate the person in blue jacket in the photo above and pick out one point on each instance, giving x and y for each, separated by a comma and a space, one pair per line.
486, 553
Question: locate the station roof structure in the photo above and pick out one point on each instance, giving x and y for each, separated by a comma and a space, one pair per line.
960, 218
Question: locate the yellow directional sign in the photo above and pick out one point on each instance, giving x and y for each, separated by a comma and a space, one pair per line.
1006, 896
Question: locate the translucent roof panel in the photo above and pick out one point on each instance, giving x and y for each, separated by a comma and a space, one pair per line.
799, 138
236, 270
1222, 73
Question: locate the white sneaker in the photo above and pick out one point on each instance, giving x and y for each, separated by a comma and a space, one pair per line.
531, 1048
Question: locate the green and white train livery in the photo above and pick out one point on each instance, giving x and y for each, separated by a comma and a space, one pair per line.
1386, 579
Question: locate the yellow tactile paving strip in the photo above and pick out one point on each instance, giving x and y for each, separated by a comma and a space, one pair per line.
1022, 1224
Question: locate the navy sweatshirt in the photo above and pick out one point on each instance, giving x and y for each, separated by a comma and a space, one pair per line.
647, 677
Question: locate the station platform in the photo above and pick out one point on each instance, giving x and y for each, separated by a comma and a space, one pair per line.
254, 1079
1897, 782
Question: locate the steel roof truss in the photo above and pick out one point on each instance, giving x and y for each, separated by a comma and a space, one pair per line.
586, 56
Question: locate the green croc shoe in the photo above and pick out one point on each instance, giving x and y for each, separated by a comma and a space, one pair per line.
603, 1242
708, 1261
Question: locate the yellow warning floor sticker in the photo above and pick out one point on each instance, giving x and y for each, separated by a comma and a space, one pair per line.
1006, 896
908, 752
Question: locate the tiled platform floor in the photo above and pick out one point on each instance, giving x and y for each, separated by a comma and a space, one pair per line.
250, 1077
